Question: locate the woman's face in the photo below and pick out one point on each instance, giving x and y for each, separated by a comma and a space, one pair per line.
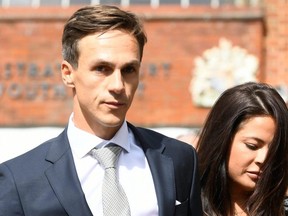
248, 151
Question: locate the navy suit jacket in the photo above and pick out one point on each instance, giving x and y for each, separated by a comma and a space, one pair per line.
44, 182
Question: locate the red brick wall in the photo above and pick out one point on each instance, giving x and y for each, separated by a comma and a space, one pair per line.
166, 99
276, 43
30, 53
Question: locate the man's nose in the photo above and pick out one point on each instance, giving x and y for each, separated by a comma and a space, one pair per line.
116, 82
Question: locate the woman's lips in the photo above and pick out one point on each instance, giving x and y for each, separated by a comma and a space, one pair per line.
253, 175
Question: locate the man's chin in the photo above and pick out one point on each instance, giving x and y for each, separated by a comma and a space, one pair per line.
113, 124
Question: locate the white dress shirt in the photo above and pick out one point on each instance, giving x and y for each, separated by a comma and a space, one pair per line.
134, 172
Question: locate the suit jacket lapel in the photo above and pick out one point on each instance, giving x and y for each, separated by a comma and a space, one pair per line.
162, 170
163, 176
63, 178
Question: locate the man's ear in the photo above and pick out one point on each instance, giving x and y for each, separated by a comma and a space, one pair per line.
67, 74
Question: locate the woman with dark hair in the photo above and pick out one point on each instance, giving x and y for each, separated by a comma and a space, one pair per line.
243, 153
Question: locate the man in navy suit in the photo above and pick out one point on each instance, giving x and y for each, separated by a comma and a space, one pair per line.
102, 52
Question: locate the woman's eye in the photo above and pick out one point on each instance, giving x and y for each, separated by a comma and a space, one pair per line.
251, 146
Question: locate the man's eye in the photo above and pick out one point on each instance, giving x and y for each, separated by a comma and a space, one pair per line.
129, 70
101, 69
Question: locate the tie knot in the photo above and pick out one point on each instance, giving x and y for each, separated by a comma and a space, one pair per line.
107, 156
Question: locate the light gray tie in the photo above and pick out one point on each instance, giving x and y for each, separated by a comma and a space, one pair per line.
115, 202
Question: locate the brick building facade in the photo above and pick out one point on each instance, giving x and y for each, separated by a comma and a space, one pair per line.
31, 90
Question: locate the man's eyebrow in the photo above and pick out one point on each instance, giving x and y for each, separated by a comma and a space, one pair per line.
136, 63
101, 62
133, 63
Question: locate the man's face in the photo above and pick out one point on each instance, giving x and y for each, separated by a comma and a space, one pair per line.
104, 82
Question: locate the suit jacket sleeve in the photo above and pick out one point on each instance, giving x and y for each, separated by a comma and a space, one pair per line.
180, 194
9, 199
195, 195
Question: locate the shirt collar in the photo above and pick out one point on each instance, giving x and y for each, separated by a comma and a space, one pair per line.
82, 142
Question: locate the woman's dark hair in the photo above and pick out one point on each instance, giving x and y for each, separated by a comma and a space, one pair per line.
234, 106
98, 19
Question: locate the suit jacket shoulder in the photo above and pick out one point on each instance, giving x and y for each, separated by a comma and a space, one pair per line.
155, 140
42, 181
